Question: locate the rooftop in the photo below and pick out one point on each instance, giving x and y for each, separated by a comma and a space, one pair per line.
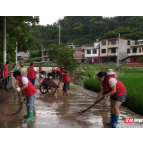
140, 40
136, 45
117, 38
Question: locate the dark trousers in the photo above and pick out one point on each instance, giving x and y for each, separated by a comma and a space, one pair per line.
58, 74
4, 81
32, 80
53, 74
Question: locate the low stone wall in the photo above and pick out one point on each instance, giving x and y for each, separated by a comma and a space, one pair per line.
121, 68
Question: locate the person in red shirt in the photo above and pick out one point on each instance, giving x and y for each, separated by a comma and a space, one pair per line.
111, 86
4, 74
66, 80
29, 91
31, 73
40, 70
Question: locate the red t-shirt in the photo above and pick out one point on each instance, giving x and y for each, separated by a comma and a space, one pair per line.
40, 68
120, 88
65, 78
31, 72
29, 90
5, 72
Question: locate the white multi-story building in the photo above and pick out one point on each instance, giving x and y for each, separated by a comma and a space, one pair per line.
115, 47
92, 53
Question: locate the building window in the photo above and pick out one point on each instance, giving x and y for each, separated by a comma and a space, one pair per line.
113, 42
88, 51
133, 43
128, 43
140, 51
82, 50
103, 51
44, 53
128, 50
134, 50
82, 56
113, 50
94, 51
103, 42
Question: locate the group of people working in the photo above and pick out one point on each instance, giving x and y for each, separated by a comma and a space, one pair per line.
26, 84
110, 86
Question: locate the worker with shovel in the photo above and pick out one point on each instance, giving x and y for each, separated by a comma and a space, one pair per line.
30, 92
111, 86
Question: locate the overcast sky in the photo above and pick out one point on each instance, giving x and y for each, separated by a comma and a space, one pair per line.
44, 20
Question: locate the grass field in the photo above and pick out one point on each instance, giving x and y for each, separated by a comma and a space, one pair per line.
110, 66
96, 66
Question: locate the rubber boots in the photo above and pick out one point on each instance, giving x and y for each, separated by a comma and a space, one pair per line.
115, 123
112, 120
30, 115
26, 116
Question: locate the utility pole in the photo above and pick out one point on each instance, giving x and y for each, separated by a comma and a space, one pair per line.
59, 32
4, 40
118, 50
16, 53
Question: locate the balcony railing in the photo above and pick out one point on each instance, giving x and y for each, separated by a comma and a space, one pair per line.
135, 54
113, 54
112, 46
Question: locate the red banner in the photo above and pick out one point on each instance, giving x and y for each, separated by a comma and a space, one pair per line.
133, 63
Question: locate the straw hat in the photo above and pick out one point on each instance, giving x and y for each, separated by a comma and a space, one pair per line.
110, 72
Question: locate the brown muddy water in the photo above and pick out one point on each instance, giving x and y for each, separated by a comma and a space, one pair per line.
55, 111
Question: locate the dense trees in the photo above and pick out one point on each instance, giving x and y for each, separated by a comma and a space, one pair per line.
86, 29
17, 29
79, 30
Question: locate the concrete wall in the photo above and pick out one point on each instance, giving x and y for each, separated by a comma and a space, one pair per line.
23, 54
127, 60
123, 48
79, 52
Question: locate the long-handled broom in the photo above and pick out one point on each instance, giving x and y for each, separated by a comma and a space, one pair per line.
83, 111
